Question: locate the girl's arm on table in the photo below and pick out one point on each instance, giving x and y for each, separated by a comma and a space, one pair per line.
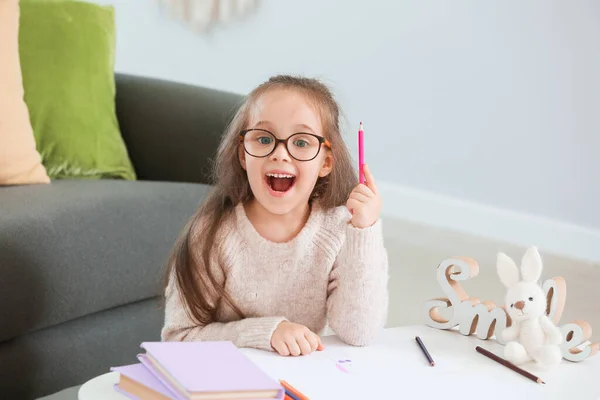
248, 332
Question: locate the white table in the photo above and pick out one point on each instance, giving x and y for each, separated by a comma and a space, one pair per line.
394, 367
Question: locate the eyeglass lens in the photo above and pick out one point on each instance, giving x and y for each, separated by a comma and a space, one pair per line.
301, 146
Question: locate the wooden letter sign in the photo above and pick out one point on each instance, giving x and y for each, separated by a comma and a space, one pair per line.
486, 319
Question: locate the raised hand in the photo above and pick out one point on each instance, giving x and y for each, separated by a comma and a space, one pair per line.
291, 339
364, 202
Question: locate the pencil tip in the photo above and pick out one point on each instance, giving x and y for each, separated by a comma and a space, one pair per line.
433, 364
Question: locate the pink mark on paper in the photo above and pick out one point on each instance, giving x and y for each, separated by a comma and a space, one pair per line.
339, 365
341, 368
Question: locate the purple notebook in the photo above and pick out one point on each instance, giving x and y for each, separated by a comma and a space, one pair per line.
124, 393
206, 367
139, 373
148, 365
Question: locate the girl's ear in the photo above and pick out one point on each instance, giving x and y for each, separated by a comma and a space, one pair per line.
327, 165
531, 265
242, 156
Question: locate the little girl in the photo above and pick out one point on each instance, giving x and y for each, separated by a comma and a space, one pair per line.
286, 243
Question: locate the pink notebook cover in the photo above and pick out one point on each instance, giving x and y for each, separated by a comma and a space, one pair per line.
141, 374
208, 367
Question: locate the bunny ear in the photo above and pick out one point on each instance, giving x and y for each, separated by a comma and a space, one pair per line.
507, 270
531, 265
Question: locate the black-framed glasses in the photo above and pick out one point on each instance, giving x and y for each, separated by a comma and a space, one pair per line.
300, 146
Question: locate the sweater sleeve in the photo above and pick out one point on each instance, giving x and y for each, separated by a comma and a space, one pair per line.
248, 332
357, 302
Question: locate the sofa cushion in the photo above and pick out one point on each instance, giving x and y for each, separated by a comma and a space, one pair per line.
67, 54
78, 247
20, 162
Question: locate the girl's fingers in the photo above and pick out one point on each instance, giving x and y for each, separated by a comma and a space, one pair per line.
370, 179
363, 189
320, 346
313, 340
293, 346
305, 347
359, 196
281, 348
353, 205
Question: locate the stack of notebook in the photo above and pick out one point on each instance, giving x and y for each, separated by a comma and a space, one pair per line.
195, 371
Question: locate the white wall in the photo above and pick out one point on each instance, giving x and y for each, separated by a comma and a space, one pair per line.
491, 102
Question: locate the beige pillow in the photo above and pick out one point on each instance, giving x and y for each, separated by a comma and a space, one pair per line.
20, 162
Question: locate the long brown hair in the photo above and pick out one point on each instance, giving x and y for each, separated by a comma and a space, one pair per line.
200, 290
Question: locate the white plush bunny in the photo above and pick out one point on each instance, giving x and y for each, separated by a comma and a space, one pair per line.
532, 334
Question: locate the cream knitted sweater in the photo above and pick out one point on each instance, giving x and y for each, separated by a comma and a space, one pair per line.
330, 275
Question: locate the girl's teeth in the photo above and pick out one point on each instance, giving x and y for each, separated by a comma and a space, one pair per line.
280, 175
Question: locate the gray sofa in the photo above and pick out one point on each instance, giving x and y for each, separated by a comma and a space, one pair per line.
81, 261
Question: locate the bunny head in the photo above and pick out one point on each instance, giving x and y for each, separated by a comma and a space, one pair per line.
524, 299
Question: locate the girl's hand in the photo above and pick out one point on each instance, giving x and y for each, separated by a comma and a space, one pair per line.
295, 339
364, 203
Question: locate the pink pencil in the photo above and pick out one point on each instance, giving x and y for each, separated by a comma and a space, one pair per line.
361, 153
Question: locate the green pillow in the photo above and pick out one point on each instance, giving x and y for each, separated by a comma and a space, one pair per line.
67, 51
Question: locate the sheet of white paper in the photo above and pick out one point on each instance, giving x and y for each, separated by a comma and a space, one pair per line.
371, 373
395, 366
393, 372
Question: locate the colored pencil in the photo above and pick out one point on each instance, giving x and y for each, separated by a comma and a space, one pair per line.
292, 391
290, 396
361, 153
424, 349
508, 364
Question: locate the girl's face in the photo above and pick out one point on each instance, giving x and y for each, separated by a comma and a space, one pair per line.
280, 182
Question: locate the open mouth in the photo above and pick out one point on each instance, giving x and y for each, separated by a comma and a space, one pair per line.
280, 183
